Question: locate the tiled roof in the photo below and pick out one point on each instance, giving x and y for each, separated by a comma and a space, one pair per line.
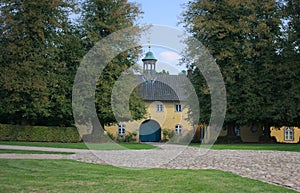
163, 88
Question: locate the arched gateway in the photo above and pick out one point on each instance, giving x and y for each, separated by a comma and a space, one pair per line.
150, 131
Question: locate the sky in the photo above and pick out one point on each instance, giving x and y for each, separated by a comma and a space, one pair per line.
167, 13
162, 12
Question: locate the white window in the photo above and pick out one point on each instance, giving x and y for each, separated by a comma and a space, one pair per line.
159, 108
121, 129
288, 134
178, 108
178, 129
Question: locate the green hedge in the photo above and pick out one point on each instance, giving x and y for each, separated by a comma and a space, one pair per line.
39, 134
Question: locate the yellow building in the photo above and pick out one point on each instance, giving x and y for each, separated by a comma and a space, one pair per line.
164, 97
251, 133
286, 134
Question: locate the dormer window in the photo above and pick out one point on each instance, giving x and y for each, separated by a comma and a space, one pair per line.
178, 108
159, 108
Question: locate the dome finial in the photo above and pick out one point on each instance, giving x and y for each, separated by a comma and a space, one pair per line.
149, 54
149, 45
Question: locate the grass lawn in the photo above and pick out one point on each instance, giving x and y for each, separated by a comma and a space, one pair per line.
31, 152
120, 146
72, 176
275, 147
105, 146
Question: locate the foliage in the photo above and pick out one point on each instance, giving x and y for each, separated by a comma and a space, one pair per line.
170, 134
163, 72
99, 19
31, 152
39, 133
41, 49
245, 39
165, 133
287, 81
46, 144
129, 137
36, 48
111, 136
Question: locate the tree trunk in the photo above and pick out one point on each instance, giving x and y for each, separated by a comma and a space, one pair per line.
98, 130
267, 131
97, 133
230, 130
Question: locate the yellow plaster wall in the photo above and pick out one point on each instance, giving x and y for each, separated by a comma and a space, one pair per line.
248, 136
223, 132
209, 134
167, 119
278, 133
82, 129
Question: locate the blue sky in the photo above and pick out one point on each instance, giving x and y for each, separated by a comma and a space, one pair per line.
163, 12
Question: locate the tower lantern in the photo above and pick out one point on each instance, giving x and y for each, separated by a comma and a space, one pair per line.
149, 62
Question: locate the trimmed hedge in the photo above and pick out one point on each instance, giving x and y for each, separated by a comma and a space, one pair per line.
39, 134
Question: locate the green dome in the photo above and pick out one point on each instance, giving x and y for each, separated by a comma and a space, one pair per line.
149, 56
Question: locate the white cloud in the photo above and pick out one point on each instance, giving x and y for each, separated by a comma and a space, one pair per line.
170, 56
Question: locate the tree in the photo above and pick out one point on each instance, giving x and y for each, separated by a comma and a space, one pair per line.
32, 36
69, 52
163, 72
99, 19
288, 101
241, 36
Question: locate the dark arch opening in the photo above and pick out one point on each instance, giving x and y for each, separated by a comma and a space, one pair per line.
150, 131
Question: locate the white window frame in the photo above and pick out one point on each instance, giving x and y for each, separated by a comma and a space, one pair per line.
289, 134
178, 129
159, 107
178, 108
121, 129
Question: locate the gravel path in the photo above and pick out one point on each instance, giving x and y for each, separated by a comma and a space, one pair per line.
275, 167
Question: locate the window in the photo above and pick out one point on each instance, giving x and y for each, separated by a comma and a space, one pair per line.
121, 129
237, 131
288, 134
253, 128
178, 108
178, 129
159, 108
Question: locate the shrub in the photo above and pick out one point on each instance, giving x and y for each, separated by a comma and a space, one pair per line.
165, 134
128, 137
171, 134
39, 133
110, 135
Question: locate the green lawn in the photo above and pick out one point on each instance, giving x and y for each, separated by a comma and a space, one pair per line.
105, 146
72, 176
120, 146
30, 152
274, 147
